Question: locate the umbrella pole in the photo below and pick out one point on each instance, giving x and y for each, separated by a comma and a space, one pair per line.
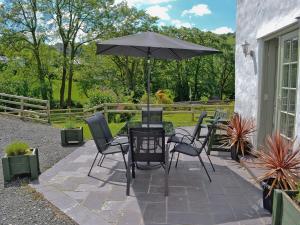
148, 86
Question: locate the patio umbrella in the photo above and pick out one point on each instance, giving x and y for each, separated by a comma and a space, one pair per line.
152, 45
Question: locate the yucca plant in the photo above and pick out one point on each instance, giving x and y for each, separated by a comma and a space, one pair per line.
238, 133
279, 162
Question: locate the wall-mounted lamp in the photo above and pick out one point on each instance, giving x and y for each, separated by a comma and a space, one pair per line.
246, 49
298, 19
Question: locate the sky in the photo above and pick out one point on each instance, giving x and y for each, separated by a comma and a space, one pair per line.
217, 16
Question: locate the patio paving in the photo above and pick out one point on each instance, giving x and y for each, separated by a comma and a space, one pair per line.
231, 198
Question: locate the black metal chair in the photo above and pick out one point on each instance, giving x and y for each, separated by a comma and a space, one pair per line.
187, 137
194, 151
105, 145
147, 145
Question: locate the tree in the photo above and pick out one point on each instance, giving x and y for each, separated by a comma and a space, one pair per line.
22, 25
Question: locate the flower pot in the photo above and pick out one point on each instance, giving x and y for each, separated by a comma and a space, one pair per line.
21, 164
285, 210
71, 136
234, 154
267, 199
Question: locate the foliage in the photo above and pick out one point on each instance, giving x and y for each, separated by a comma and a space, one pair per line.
98, 97
279, 162
70, 124
44, 68
163, 97
144, 99
17, 148
297, 198
238, 133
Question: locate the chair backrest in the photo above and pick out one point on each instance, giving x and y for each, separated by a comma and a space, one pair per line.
220, 114
211, 129
197, 129
104, 125
97, 132
147, 144
156, 115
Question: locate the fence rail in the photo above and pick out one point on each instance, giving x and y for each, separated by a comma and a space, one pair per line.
25, 107
39, 110
61, 115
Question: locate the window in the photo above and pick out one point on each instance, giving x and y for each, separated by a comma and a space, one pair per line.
287, 87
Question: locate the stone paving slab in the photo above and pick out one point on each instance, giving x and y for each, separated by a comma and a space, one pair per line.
231, 198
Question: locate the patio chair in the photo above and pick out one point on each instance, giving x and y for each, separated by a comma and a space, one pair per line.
187, 137
194, 151
108, 135
147, 145
155, 117
105, 145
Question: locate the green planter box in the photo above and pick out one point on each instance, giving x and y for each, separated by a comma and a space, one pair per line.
21, 164
285, 210
71, 136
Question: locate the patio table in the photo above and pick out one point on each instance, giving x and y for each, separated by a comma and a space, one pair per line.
167, 125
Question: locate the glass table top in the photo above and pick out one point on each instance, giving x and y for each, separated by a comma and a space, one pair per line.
167, 125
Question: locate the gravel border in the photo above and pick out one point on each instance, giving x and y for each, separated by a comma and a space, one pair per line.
19, 203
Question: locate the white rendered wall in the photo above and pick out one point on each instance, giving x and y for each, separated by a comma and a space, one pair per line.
255, 20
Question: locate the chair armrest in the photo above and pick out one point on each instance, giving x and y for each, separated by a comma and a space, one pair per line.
190, 137
113, 143
179, 128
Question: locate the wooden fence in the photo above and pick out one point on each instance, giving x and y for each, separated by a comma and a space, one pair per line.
39, 110
25, 107
61, 115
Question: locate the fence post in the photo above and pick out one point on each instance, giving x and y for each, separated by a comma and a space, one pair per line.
105, 111
48, 111
193, 112
21, 108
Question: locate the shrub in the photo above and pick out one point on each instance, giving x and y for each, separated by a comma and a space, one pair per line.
144, 99
17, 148
238, 133
164, 97
279, 163
98, 97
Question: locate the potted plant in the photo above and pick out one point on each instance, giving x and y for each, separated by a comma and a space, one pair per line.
237, 135
20, 159
286, 207
71, 134
280, 165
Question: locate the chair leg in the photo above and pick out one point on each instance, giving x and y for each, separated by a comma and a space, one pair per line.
211, 163
124, 160
177, 160
171, 162
166, 174
128, 180
102, 160
133, 170
204, 167
93, 163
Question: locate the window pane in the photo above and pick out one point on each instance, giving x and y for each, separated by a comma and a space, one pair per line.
293, 76
283, 123
292, 101
294, 57
285, 76
284, 100
290, 130
287, 50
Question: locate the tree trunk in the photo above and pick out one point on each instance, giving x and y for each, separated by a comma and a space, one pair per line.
64, 75
72, 56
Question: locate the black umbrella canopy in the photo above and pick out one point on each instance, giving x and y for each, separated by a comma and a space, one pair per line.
154, 45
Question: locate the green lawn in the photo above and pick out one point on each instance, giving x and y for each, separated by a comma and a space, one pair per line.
76, 94
179, 120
